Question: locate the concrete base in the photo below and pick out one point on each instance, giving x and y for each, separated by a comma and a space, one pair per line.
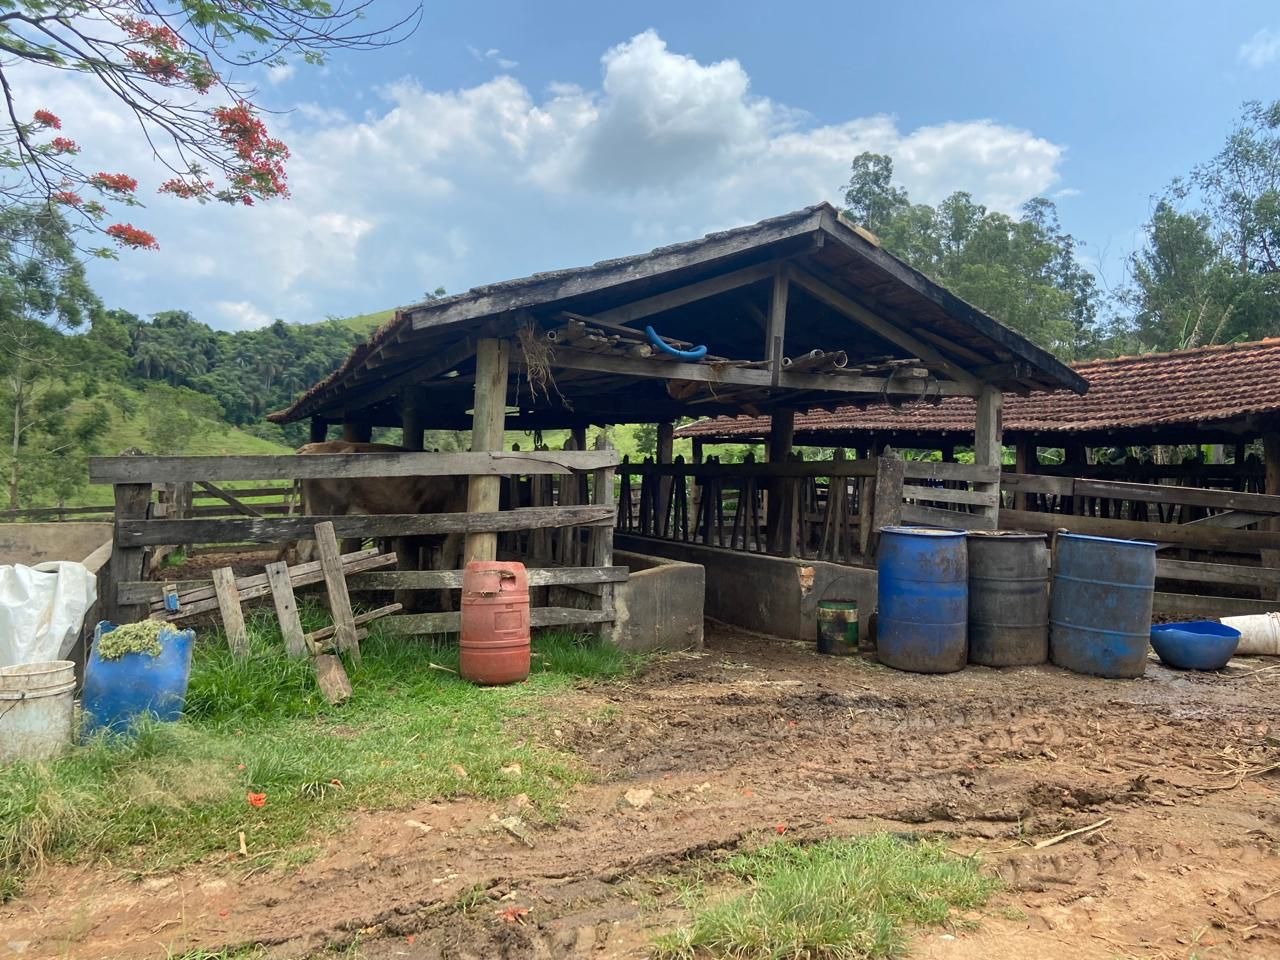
32, 543
658, 608
769, 595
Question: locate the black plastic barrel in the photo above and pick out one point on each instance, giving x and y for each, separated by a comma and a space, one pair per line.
923, 595
1008, 598
1100, 614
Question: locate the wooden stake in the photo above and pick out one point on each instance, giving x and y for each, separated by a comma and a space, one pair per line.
488, 418
339, 600
286, 609
224, 585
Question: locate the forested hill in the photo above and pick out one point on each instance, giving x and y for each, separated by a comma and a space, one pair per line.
247, 373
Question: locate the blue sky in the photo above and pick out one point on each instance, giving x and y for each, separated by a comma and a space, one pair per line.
505, 137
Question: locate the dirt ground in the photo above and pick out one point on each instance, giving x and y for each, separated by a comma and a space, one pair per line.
751, 737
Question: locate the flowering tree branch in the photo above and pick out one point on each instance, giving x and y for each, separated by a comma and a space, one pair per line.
173, 65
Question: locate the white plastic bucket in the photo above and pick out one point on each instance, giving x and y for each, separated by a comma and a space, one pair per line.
1259, 634
36, 701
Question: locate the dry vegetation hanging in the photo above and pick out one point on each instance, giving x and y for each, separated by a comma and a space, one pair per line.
537, 366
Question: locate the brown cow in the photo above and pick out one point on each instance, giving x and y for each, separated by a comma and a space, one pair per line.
380, 495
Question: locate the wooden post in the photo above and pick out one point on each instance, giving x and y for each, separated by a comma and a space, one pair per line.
1271, 484
782, 430
886, 500
357, 431
132, 500
666, 451
1025, 461
319, 429
776, 332
602, 547
286, 609
697, 450
988, 447
412, 409
948, 452
493, 358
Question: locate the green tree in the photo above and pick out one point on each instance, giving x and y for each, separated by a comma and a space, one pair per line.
1023, 271
44, 298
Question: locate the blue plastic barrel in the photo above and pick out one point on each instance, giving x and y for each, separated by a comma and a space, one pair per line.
1100, 614
117, 692
923, 598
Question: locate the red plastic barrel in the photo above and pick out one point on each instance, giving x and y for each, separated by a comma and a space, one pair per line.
494, 646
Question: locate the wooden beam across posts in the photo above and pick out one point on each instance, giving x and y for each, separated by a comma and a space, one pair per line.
776, 331
488, 419
658, 367
146, 470
878, 325
138, 533
688, 294
228, 498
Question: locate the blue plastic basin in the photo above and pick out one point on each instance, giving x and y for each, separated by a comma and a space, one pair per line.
1200, 645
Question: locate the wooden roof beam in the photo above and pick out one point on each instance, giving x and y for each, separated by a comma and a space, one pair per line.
679, 297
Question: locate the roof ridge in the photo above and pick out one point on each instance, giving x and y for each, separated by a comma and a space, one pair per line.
1265, 342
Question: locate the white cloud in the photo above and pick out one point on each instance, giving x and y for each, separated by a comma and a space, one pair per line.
280, 73
492, 55
1260, 49
484, 183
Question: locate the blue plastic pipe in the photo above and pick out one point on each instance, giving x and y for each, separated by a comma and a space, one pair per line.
697, 353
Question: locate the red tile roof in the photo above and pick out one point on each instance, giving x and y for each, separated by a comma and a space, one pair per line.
1184, 387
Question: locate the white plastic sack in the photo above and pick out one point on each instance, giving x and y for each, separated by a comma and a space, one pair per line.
42, 609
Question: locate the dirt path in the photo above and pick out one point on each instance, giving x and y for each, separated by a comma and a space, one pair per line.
756, 736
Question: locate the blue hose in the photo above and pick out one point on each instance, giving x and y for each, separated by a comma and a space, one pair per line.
697, 353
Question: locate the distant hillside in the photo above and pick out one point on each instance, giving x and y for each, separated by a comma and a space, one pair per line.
366, 323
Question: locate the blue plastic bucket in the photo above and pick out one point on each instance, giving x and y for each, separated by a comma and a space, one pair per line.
923, 599
117, 692
1100, 612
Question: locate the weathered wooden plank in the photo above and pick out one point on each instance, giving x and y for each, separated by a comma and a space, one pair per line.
1191, 604
952, 519
1035, 483
833, 382
728, 471
680, 296
936, 470
258, 586
1187, 534
1195, 496
452, 579
360, 619
335, 582
888, 495
228, 498
286, 605
224, 583
331, 677
1217, 572
431, 623
248, 493
137, 533
346, 465
127, 561
949, 495
602, 545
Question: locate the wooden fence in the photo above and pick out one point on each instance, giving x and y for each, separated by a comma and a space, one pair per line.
1212, 542
820, 510
586, 524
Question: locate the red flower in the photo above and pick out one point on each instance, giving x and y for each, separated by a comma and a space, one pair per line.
780, 829
186, 189
115, 182
127, 235
47, 119
63, 145
256, 799
67, 197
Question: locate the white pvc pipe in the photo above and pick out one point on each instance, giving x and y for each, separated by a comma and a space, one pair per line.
1259, 634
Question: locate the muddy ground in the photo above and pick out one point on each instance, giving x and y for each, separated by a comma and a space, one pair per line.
754, 736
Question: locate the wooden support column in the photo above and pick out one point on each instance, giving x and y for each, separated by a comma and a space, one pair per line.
1025, 461
776, 331
988, 446
493, 358
1271, 484
319, 429
666, 454
412, 411
782, 430
948, 452
357, 431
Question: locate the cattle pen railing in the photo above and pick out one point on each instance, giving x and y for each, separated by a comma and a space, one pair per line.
139, 526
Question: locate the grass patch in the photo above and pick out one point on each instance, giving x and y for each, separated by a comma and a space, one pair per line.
835, 900
175, 793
